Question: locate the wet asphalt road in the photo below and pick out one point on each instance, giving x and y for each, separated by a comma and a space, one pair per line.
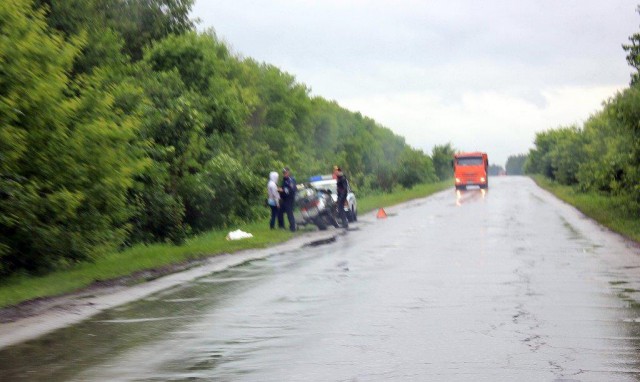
507, 285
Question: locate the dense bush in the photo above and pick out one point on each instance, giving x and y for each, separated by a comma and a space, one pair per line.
67, 150
415, 168
602, 155
120, 124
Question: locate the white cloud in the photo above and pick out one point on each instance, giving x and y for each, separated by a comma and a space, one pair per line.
501, 124
488, 73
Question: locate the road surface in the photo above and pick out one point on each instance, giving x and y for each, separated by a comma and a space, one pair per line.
504, 285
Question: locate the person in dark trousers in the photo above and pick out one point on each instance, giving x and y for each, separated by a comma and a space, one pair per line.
288, 198
343, 189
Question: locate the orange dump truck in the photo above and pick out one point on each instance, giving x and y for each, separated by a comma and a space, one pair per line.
470, 169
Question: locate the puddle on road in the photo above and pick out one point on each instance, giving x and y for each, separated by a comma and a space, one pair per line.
58, 356
316, 243
170, 316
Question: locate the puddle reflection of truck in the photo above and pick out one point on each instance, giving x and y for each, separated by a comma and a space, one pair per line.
470, 169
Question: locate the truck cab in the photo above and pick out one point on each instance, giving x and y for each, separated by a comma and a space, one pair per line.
470, 169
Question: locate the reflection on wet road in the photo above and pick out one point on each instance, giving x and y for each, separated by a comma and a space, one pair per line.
471, 195
502, 285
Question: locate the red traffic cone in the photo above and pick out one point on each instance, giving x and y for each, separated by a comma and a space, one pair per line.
381, 214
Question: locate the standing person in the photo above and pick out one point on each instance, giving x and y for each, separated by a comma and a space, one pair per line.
334, 175
288, 194
274, 197
343, 189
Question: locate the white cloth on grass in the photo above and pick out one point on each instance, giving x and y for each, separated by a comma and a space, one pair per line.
238, 234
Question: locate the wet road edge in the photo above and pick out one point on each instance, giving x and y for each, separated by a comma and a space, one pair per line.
58, 312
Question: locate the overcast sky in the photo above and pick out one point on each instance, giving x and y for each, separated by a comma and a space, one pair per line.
482, 75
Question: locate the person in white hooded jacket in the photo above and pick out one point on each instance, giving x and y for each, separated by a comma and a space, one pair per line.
274, 197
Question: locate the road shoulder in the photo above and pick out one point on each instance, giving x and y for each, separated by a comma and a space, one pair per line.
39, 317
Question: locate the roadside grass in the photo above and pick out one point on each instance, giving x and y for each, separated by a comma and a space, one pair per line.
21, 288
617, 213
372, 202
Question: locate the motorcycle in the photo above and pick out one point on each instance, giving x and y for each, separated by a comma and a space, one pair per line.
317, 207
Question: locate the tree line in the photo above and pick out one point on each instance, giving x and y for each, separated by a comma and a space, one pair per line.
515, 164
120, 123
603, 154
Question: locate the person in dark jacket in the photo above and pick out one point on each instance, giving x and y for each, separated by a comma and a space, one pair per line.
288, 198
343, 190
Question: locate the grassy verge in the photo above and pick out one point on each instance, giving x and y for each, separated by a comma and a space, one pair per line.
373, 202
613, 212
143, 257
140, 257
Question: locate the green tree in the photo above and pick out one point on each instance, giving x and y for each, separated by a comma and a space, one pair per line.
195, 115
558, 154
141, 22
624, 113
118, 120
633, 54
279, 115
117, 30
515, 164
442, 161
237, 194
415, 167
67, 148
104, 46
568, 154
538, 159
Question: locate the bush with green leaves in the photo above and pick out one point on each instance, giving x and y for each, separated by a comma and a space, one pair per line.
237, 195
120, 124
68, 152
442, 156
601, 156
415, 168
